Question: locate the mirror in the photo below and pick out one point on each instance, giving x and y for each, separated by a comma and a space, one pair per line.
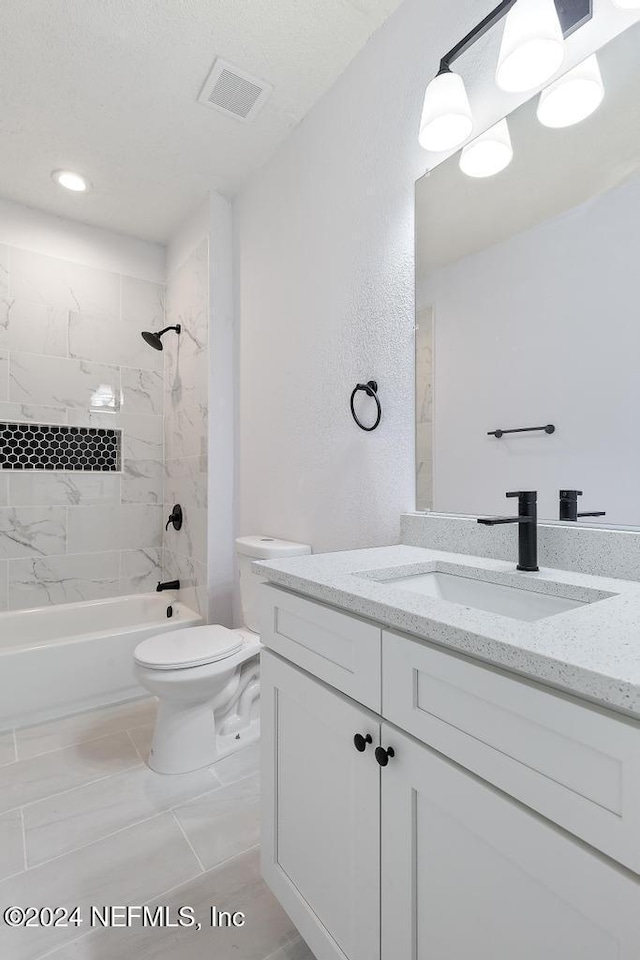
528, 314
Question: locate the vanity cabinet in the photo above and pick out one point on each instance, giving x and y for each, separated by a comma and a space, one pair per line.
441, 852
321, 812
468, 873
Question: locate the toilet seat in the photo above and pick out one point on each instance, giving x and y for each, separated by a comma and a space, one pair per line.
189, 647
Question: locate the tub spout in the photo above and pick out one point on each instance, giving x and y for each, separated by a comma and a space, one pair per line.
168, 585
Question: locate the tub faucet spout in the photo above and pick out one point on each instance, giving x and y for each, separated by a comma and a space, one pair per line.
168, 585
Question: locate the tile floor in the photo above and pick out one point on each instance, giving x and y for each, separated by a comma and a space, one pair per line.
83, 821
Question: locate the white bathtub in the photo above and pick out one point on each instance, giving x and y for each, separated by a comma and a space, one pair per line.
61, 659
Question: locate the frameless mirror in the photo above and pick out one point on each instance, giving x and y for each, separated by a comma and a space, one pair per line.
528, 314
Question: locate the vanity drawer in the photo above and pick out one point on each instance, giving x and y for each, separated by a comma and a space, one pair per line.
342, 650
576, 765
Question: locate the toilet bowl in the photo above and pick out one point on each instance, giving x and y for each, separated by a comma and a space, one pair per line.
207, 678
198, 675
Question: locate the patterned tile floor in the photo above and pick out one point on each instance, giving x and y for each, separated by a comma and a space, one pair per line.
84, 822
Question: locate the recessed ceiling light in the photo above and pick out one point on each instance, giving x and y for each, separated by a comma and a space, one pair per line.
70, 180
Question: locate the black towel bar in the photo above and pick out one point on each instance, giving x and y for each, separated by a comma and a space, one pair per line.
549, 428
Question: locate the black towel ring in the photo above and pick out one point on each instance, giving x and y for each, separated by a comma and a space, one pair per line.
371, 389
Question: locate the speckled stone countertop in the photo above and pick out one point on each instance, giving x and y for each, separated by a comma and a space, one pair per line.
591, 652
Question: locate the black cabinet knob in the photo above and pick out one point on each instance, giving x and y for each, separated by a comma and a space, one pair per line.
383, 756
361, 742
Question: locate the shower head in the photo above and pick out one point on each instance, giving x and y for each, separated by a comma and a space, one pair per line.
153, 339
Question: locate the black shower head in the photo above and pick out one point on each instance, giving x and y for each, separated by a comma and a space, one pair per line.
153, 339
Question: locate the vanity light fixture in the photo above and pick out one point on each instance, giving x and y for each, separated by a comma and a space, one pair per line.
532, 48
488, 154
71, 181
446, 120
573, 97
446, 115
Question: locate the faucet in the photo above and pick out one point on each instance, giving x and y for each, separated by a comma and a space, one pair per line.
168, 585
569, 506
527, 521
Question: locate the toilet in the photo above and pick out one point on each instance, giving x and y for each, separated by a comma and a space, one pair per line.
207, 678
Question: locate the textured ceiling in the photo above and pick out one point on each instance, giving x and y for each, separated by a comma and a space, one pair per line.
109, 88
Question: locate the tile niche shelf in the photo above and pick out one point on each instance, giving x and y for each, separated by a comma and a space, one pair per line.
35, 446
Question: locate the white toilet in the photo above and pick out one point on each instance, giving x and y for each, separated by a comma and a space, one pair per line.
207, 678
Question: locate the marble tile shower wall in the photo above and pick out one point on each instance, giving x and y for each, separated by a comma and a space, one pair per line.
186, 425
71, 352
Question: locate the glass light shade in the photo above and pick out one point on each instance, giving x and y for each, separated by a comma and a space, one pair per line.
573, 97
446, 115
532, 48
70, 180
489, 153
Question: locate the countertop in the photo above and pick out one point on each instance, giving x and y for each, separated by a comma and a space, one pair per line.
592, 652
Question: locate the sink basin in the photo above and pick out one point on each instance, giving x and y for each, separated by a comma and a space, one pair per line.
483, 595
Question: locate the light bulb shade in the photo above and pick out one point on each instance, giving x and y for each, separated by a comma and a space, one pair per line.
446, 115
532, 48
573, 97
489, 153
627, 4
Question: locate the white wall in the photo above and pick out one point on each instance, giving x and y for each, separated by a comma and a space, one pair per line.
542, 329
213, 221
222, 408
325, 259
45, 233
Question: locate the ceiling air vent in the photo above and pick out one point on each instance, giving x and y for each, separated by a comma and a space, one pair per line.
234, 92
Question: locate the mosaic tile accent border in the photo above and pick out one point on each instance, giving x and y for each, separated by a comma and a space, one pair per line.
36, 446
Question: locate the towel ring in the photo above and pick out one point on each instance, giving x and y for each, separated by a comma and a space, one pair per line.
371, 389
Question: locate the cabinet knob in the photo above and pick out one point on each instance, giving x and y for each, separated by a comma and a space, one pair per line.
383, 756
361, 742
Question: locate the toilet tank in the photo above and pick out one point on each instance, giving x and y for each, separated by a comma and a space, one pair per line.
249, 549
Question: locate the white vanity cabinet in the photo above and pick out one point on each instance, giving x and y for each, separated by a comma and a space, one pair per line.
442, 853
468, 873
321, 812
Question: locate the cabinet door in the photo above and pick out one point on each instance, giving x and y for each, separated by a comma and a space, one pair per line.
467, 872
321, 812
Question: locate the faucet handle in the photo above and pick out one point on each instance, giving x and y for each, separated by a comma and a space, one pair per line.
527, 495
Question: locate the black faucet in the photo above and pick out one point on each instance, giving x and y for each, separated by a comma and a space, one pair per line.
569, 506
527, 521
168, 585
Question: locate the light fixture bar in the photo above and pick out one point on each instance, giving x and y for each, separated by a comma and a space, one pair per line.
479, 31
572, 14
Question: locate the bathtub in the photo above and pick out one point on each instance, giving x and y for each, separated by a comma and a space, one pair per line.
62, 659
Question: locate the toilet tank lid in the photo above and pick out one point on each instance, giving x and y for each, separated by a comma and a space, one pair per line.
265, 548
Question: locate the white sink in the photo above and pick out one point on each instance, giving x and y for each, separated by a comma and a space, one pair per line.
484, 595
